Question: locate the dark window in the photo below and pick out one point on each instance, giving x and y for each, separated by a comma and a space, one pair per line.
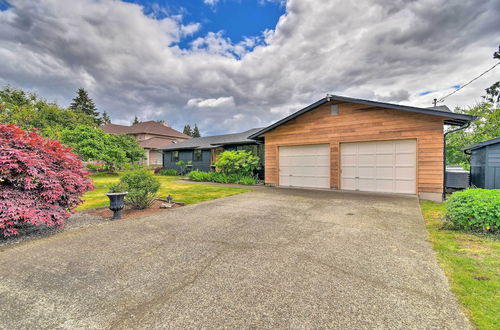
198, 155
175, 156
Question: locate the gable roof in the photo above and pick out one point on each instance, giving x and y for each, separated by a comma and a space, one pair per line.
443, 111
155, 143
214, 141
483, 144
149, 127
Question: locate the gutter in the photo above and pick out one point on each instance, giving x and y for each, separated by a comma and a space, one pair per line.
464, 126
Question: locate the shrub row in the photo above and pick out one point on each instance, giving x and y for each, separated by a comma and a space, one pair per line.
474, 209
168, 172
221, 177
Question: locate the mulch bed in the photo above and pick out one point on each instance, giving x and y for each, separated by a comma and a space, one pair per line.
128, 212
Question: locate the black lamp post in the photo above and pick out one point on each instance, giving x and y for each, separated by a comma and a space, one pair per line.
116, 204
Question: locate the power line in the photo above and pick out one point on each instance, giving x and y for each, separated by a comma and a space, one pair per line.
470, 82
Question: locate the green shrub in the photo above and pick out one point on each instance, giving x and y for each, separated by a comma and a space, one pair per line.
168, 172
118, 188
201, 176
474, 209
247, 180
237, 162
142, 188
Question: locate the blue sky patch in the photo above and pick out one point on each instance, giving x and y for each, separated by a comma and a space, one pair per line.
4, 5
425, 93
456, 86
237, 18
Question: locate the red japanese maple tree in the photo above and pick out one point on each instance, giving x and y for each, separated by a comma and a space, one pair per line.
41, 181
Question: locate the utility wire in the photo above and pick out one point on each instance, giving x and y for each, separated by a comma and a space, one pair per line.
470, 82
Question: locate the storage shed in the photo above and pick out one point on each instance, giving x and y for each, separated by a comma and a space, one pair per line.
485, 164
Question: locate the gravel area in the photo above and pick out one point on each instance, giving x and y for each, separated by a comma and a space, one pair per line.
30, 232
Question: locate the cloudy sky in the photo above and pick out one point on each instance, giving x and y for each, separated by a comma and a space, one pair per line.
230, 65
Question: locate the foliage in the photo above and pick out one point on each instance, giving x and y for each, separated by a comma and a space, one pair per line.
120, 187
183, 166
168, 171
28, 111
220, 177
105, 119
247, 180
196, 132
133, 151
40, 180
136, 121
190, 193
486, 127
470, 260
83, 104
92, 143
237, 162
95, 167
142, 188
193, 132
474, 209
187, 130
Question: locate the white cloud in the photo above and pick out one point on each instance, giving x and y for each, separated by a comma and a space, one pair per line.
211, 2
211, 103
131, 64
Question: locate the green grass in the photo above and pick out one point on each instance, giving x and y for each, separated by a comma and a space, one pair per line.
472, 264
189, 193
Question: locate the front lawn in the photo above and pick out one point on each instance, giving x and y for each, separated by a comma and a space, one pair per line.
189, 193
472, 264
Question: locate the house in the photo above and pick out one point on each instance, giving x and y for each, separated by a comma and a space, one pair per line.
355, 144
203, 151
151, 135
485, 164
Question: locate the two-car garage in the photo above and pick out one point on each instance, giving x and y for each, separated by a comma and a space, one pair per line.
378, 166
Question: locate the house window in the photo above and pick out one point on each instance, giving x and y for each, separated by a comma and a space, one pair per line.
334, 110
175, 156
197, 155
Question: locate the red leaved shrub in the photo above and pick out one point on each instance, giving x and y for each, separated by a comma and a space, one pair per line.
41, 181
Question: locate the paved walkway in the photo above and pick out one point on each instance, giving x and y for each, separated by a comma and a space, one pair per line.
273, 258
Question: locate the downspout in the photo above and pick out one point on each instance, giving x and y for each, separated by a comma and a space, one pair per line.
444, 154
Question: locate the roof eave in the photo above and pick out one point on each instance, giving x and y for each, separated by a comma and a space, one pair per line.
456, 118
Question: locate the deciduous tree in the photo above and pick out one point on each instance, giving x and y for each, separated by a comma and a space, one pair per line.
41, 181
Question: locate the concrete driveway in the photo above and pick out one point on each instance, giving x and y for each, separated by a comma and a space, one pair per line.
273, 258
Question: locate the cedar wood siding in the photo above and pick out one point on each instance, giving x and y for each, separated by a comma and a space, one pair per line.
355, 124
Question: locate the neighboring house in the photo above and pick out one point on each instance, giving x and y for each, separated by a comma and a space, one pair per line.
203, 151
151, 135
485, 164
354, 144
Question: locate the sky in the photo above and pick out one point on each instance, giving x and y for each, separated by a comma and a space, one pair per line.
231, 65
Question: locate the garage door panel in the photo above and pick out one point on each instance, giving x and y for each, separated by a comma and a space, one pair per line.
366, 159
385, 159
384, 166
305, 166
405, 173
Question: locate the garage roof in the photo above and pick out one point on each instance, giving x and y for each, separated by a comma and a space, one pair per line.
443, 111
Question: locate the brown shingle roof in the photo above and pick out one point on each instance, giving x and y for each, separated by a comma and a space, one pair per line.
155, 143
151, 127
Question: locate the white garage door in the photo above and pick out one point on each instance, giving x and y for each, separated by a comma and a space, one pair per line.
383, 166
305, 166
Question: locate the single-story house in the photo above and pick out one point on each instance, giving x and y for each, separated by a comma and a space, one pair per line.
355, 144
485, 164
151, 135
203, 151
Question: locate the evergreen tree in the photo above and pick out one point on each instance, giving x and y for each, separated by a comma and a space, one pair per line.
196, 131
136, 121
83, 103
105, 118
187, 130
